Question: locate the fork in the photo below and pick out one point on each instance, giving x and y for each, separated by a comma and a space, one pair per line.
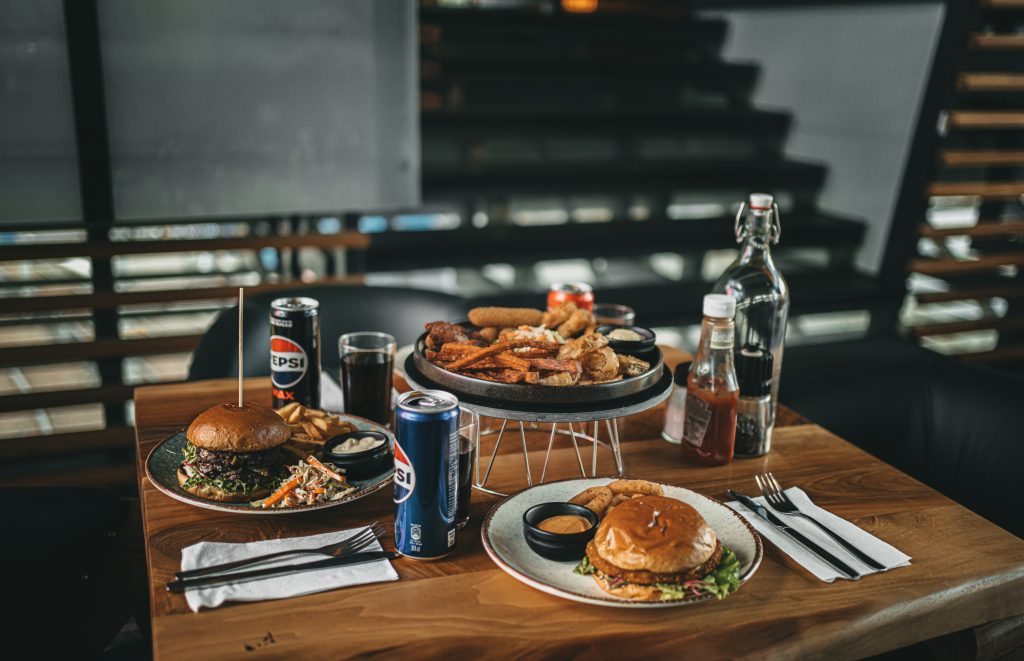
355, 543
780, 502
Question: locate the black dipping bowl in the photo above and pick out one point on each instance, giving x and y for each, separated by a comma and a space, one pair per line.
629, 347
554, 546
360, 465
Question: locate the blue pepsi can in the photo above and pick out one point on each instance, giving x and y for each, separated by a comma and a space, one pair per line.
426, 473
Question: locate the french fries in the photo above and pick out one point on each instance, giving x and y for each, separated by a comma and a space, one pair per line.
312, 425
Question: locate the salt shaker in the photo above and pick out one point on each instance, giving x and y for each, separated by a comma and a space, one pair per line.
676, 411
754, 419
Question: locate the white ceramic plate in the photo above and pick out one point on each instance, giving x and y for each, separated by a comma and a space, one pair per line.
503, 540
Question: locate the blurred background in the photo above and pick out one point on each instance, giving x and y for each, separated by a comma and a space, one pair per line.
156, 156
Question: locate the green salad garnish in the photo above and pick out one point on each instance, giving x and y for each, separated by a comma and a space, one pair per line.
722, 582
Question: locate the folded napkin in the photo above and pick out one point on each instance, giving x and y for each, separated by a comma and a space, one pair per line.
885, 554
205, 554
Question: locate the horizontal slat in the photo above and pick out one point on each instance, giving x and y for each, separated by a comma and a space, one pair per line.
1011, 354
713, 75
990, 82
353, 240
972, 293
989, 189
952, 266
661, 177
979, 230
27, 447
95, 350
950, 327
456, 23
108, 299
997, 41
1002, 4
113, 475
957, 158
111, 394
987, 119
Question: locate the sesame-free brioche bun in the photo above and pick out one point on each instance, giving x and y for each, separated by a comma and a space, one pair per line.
654, 534
233, 428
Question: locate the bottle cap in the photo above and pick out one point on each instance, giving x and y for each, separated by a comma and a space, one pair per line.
721, 306
761, 201
754, 371
681, 372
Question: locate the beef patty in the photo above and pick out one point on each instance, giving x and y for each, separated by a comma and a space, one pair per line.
645, 577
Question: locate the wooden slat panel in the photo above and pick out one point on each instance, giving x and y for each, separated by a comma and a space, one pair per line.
353, 240
108, 348
990, 82
988, 189
979, 293
979, 230
114, 475
986, 119
110, 299
950, 266
958, 158
50, 398
27, 447
946, 328
997, 41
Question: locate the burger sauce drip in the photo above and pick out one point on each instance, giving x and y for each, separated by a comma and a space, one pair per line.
712, 397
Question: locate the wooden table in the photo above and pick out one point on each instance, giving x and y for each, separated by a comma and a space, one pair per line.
965, 572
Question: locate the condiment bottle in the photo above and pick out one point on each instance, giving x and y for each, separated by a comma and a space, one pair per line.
712, 393
754, 419
676, 409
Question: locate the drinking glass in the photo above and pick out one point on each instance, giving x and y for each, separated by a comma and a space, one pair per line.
613, 314
469, 436
367, 361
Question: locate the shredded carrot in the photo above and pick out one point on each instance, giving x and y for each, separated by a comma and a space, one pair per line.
281, 492
313, 461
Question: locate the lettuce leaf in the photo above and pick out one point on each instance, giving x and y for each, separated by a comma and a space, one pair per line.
722, 582
584, 568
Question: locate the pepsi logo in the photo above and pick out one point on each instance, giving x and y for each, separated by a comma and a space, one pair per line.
287, 362
405, 476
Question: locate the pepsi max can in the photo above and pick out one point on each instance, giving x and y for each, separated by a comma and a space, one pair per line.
426, 473
295, 352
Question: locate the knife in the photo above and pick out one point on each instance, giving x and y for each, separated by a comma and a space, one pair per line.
180, 585
763, 512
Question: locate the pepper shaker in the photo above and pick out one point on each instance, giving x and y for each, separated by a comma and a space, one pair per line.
675, 414
754, 419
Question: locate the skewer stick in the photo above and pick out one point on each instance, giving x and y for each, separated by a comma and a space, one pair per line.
241, 377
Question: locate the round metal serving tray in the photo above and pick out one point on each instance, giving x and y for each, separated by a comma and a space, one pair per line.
461, 384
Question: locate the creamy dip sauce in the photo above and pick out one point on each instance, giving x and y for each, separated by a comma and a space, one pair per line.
564, 524
353, 445
625, 335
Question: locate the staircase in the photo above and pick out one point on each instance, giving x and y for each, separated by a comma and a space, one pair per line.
968, 286
611, 138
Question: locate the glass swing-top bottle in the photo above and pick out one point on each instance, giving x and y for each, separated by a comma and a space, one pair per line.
761, 293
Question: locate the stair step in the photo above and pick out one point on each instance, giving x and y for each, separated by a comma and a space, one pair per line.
982, 229
986, 119
939, 267
972, 293
987, 189
991, 82
951, 327
958, 158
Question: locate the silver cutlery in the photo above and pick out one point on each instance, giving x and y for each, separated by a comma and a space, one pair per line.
799, 538
353, 544
781, 503
284, 570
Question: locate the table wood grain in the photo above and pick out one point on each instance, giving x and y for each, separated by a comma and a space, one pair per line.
965, 572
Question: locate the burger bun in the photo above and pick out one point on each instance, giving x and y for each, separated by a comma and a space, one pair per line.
233, 428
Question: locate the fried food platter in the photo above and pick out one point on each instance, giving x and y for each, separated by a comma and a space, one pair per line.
463, 385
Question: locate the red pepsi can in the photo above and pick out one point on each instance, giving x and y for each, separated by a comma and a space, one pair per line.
295, 351
426, 473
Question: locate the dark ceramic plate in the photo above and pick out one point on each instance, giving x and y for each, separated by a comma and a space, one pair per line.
162, 470
460, 384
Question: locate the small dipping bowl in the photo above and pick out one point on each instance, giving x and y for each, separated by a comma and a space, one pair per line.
365, 463
629, 347
552, 545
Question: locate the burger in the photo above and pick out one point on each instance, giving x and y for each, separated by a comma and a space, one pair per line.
653, 548
233, 453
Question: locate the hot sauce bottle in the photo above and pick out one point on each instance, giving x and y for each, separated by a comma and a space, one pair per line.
712, 391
